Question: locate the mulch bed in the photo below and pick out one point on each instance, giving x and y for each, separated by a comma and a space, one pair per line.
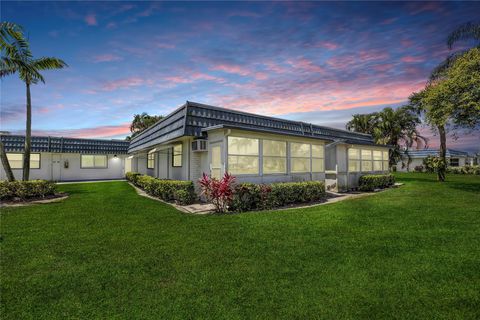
17, 202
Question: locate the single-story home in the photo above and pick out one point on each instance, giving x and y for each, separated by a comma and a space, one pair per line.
455, 158
198, 138
67, 159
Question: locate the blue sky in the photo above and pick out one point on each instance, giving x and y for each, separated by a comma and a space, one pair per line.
318, 62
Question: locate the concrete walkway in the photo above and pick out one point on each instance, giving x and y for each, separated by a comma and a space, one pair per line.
89, 181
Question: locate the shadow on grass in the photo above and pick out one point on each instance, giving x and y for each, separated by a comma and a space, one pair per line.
468, 187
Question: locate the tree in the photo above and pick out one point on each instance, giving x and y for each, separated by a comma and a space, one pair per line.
395, 127
141, 122
17, 58
453, 101
467, 31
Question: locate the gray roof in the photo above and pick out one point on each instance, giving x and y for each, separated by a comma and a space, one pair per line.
193, 119
15, 143
423, 153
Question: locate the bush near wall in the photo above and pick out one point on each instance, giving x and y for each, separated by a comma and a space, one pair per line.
375, 181
182, 192
467, 169
250, 196
26, 190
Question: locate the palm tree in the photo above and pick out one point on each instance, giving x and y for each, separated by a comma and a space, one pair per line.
141, 122
18, 59
396, 128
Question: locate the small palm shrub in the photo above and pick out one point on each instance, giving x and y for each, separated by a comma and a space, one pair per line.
432, 163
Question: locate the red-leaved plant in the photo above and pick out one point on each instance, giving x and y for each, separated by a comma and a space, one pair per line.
218, 192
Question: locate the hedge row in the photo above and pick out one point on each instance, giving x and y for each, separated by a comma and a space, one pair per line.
250, 196
375, 181
182, 192
26, 189
467, 169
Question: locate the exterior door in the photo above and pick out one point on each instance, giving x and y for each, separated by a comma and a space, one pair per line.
216, 161
56, 167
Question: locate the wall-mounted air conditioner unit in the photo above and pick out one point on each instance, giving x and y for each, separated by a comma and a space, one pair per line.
199, 145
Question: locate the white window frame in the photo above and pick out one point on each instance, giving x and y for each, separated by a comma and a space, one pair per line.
177, 155
151, 160
94, 165
292, 158
23, 157
229, 154
285, 158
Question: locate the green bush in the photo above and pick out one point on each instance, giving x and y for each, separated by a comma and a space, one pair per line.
375, 181
132, 177
467, 169
250, 196
182, 192
26, 189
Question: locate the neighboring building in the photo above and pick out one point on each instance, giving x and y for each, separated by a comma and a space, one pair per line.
455, 158
199, 138
67, 159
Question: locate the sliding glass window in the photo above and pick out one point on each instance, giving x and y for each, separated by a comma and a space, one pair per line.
274, 156
243, 155
300, 155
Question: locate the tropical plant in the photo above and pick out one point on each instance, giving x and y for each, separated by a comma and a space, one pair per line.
218, 192
467, 31
141, 122
452, 102
395, 127
17, 58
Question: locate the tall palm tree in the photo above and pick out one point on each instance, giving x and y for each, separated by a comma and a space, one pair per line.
363, 123
18, 59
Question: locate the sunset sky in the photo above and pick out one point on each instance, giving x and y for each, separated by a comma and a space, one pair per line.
316, 62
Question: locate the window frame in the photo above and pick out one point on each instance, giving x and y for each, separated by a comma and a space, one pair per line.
23, 157
285, 157
457, 160
358, 160
317, 158
177, 155
94, 155
292, 158
153, 160
258, 156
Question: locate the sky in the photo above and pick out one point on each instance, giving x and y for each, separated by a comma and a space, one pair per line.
317, 62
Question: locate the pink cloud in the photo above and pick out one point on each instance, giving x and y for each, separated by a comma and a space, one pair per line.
328, 45
107, 58
192, 77
383, 67
125, 83
91, 19
92, 132
412, 59
305, 64
239, 70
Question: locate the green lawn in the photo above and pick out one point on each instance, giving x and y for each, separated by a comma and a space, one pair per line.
411, 252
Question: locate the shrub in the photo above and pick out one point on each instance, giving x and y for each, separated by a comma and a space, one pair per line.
286, 193
250, 196
26, 189
418, 169
375, 181
467, 169
218, 192
132, 177
432, 164
182, 192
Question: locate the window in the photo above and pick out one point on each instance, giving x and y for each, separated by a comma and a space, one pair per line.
243, 155
300, 154
16, 160
353, 160
317, 158
274, 156
151, 161
367, 160
91, 161
386, 166
177, 155
377, 160
454, 162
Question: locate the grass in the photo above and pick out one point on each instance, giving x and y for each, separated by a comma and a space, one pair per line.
411, 252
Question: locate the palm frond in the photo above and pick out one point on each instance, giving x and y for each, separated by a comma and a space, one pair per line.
12, 40
468, 30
